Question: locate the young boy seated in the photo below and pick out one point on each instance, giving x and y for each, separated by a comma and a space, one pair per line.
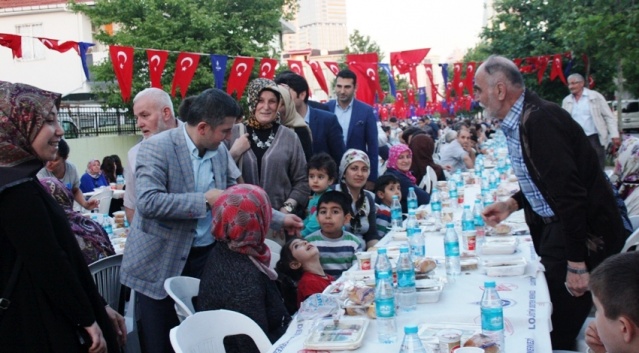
337, 247
321, 175
386, 187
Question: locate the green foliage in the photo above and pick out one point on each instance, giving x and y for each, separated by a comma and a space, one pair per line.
231, 27
360, 44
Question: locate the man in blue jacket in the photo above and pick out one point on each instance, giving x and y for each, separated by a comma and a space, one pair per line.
357, 120
325, 130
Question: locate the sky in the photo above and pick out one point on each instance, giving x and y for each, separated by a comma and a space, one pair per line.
396, 25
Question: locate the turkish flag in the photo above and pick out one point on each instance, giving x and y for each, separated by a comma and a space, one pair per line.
362, 58
470, 77
333, 66
399, 100
122, 60
403, 60
433, 88
531, 65
383, 113
556, 69
517, 62
13, 42
296, 67
157, 60
54, 44
267, 68
185, 68
368, 79
458, 86
240, 74
411, 96
319, 75
542, 64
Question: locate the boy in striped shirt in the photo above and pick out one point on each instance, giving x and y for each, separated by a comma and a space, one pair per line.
337, 247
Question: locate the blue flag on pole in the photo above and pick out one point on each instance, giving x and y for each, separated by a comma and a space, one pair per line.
218, 66
445, 74
83, 57
391, 80
421, 91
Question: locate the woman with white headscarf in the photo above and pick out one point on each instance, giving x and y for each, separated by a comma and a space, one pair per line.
290, 118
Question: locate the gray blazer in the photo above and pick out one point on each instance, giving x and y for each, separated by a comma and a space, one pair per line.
167, 211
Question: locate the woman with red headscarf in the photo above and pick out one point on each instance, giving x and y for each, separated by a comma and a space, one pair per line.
400, 158
237, 275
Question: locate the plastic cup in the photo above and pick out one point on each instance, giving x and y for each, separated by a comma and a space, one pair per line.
449, 340
469, 350
364, 260
470, 240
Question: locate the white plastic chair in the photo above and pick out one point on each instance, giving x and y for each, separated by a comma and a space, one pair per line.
182, 289
106, 274
204, 332
634, 221
633, 240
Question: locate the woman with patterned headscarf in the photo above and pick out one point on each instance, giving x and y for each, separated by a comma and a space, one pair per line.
52, 294
354, 170
400, 158
627, 172
237, 276
268, 155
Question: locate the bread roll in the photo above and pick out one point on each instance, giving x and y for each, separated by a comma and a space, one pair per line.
483, 342
361, 295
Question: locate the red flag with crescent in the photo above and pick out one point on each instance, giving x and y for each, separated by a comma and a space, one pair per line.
410, 93
368, 82
470, 77
399, 100
63, 47
529, 66
319, 75
458, 86
556, 70
240, 74
13, 42
403, 60
433, 88
333, 66
122, 60
157, 60
542, 64
185, 68
267, 68
296, 67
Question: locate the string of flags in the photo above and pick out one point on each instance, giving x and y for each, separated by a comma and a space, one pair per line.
366, 67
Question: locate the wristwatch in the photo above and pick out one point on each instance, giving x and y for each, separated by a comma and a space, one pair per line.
288, 207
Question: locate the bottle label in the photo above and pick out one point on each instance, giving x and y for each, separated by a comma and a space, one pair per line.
453, 194
411, 231
406, 279
468, 224
492, 319
412, 204
396, 214
385, 307
436, 206
451, 248
418, 250
479, 222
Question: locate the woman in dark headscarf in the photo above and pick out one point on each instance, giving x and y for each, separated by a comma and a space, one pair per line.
423, 148
237, 276
53, 296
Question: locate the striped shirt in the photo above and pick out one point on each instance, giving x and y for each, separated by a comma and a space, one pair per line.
336, 255
510, 127
383, 220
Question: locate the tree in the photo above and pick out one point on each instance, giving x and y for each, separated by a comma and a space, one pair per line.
231, 27
360, 44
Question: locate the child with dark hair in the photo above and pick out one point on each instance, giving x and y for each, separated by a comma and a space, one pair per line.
300, 260
386, 187
337, 247
322, 172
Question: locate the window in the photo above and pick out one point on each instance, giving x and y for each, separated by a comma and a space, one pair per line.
32, 49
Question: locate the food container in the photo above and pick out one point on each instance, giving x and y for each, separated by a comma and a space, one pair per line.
353, 309
505, 267
428, 290
505, 245
346, 334
469, 263
366, 276
364, 260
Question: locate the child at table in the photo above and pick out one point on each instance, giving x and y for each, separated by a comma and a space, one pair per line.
337, 247
386, 187
300, 260
322, 171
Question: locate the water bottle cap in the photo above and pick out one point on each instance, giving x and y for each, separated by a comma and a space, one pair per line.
467, 206
395, 197
411, 212
489, 284
410, 329
381, 251
411, 189
477, 201
450, 225
403, 249
383, 275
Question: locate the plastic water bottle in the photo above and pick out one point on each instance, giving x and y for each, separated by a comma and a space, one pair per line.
396, 213
119, 180
488, 199
480, 226
411, 342
406, 292
411, 200
492, 315
436, 204
385, 309
452, 192
382, 264
107, 225
451, 251
468, 222
414, 233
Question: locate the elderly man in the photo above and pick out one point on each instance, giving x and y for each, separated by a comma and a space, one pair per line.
458, 153
590, 110
570, 207
615, 289
153, 110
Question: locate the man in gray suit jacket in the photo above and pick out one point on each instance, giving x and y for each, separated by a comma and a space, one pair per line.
179, 174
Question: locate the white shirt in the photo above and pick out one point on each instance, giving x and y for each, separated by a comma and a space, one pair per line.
581, 113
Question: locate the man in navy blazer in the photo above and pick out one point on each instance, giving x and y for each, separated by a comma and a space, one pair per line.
357, 120
326, 131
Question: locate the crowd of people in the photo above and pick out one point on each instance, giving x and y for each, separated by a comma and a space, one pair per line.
204, 192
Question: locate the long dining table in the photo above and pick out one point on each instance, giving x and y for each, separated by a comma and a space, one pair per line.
525, 298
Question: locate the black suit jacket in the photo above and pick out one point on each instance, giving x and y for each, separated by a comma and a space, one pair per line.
327, 134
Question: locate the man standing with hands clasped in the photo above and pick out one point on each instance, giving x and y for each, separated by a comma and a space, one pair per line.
569, 205
590, 110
